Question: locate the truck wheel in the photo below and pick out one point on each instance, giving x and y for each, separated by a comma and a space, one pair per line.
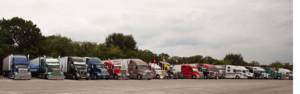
116, 77
290, 78
194, 77
47, 77
149, 79
139, 77
74, 77
236, 77
95, 77
157, 77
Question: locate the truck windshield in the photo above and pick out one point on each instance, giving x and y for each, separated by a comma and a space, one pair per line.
21, 66
142, 67
80, 66
291, 72
100, 66
245, 71
171, 69
211, 69
263, 71
157, 68
194, 69
51, 67
238, 70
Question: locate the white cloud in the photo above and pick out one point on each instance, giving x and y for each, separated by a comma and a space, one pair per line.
259, 30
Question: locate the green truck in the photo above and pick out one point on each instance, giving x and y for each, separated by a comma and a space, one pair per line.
274, 74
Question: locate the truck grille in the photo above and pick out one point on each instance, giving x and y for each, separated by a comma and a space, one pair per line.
104, 72
23, 72
56, 72
123, 72
82, 72
148, 73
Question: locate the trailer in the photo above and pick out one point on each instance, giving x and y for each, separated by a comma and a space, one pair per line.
189, 71
74, 68
47, 68
96, 68
16, 67
236, 72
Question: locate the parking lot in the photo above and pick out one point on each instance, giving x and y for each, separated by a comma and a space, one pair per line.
154, 86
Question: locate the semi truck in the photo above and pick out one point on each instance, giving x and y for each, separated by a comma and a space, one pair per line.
137, 69
96, 68
236, 72
74, 68
221, 70
189, 71
273, 73
258, 73
48, 68
116, 69
169, 68
246, 71
157, 71
288, 74
208, 71
16, 67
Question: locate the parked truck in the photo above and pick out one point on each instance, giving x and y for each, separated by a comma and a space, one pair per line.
236, 72
116, 69
168, 68
246, 71
208, 71
258, 73
137, 69
189, 71
221, 70
288, 74
96, 68
157, 71
48, 68
273, 73
74, 68
16, 67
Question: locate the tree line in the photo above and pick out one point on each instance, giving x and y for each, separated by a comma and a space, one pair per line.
19, 36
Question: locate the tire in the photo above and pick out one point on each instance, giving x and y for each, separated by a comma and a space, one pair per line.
73, 77
139, 77
149, 79
237, 77
47, 77
279, 77
95, 77
194, 77
116, 77
3, 74
157, 77
290, 78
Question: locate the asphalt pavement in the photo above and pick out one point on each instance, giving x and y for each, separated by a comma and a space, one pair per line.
154, 86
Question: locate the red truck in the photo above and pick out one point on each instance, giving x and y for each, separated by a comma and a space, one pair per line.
189, 71
209, 71
115, 70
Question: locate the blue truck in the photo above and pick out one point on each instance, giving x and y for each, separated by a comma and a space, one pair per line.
96, 68
16, 67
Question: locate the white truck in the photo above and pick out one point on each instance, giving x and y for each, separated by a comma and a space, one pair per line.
232, 71
16, 67
74, 68
288, 74
48, 68
158, 73
262, 73
246, 71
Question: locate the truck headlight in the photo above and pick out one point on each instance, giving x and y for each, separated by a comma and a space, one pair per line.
16, 73
98, 74
77, 74
29, 73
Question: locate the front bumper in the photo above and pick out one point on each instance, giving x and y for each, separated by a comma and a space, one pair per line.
56, 77
147, 76
103, 76
83, 77
123, 77
27, 77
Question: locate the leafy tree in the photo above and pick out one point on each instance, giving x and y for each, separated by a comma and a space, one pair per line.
254, 63
209, 59
276, 64
221, 62
235, 59
121, 41
56, 45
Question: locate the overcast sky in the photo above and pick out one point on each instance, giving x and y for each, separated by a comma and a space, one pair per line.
261, 30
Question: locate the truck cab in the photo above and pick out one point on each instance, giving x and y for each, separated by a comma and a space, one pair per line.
288, 74
74, 68
236, 72
17, 67
246, 71
96, 68
165, 66
49, 68
157, 71
190, 71
139, 69
260, 73
273, 73
208, 71
115, 69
